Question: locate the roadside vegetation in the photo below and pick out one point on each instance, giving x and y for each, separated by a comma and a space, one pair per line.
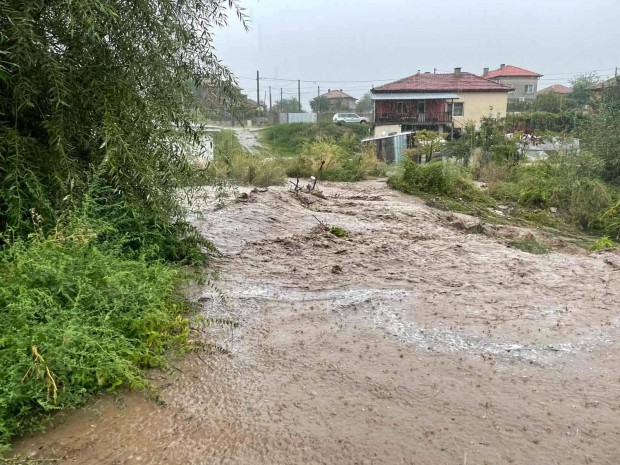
570, 192
94, 137
335, 156
290, 139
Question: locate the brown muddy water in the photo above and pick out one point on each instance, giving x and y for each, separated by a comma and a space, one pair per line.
421, 338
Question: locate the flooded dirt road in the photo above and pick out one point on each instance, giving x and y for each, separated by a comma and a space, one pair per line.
421, 338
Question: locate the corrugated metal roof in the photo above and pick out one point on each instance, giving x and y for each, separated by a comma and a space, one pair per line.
414, 96
370, 139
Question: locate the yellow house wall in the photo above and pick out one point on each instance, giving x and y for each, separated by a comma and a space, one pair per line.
477, 105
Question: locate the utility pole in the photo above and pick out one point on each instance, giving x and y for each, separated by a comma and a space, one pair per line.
318, 99
257, 89
269, 99
281, 106
299, 94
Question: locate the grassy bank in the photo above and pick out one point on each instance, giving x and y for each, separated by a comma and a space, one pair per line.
289, 139
339, 158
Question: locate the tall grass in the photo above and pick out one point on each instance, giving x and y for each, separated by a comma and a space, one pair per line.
333, 161
558, 183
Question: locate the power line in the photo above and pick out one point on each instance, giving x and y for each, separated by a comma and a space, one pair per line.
345, 81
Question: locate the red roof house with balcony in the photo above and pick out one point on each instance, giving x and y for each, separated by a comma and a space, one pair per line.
440, 102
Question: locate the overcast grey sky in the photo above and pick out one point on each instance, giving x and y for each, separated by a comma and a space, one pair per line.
338, 42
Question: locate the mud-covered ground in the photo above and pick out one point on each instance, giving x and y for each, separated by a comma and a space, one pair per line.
421, 338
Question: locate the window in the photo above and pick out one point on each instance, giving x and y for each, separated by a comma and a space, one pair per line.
529, 89
400, 107
456, 109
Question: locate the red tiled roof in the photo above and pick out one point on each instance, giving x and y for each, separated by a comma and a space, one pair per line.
337, 94
430, 82
556, 89
511, 71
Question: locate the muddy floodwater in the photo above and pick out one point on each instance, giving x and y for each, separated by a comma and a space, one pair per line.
420, 338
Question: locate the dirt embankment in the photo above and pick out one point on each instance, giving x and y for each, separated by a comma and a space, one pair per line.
420, 338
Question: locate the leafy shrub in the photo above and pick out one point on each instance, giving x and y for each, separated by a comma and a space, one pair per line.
557, 182
450, 179
610, 221
603, 243
333, 162
75, 319
565, 121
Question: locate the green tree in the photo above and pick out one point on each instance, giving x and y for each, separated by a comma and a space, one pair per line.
553, 103
602, 134
97, 90
365, 104
580, 84
319, 104
288, 105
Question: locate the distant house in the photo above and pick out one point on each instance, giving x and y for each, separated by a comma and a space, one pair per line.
339, 100
523, 81
596, 90
253, 104
441, 102
556, 89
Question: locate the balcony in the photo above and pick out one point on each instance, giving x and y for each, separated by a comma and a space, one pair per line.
414, 118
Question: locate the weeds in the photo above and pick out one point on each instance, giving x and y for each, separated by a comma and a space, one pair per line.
78, 318
338, 231
529, 244
603, 243
449, 179
335, 162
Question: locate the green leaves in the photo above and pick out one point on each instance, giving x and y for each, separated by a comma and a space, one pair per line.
89, 85
76, 318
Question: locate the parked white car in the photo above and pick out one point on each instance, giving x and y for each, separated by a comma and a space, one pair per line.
349, 118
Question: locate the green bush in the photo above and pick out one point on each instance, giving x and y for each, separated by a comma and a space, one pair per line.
566, 121
331, 161
603, 243
610, 221
450, 179
246, 169
558, 182
77, 318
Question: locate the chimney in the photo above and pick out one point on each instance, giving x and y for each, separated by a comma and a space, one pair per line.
502, 66
457, 71
340, 90
485, 71
329, 90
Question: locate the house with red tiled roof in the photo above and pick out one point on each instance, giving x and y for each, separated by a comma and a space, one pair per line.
441, 102
339, 100
556, 89
523, 82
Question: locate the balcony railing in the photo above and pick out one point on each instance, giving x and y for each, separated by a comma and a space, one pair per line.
414, 119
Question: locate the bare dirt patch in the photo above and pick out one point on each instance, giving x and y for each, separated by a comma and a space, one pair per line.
418, 338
